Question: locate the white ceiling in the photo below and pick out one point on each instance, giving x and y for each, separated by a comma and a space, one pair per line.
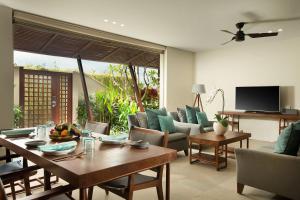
187, 24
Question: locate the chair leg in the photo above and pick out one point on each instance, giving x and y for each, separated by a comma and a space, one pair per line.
159, 191
240, 188
13, 191
27, 186
90, 193
130, 195
106, 191
186, 152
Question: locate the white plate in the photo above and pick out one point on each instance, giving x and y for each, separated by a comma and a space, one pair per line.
58, 153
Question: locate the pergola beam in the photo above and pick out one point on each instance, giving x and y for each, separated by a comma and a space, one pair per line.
48, 43
111, 53
85, 91
136, 88
87, 45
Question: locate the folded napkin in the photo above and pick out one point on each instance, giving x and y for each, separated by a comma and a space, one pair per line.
58, 147
16, 132
120, 137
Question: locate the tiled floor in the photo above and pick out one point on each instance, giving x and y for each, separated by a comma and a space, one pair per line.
198, 181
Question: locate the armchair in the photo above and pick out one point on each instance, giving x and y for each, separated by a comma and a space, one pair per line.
272, 172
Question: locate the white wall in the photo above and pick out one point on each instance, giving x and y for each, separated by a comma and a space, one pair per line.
6, 68
177, 74
253, 63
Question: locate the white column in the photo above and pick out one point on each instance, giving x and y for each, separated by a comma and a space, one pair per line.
6, 68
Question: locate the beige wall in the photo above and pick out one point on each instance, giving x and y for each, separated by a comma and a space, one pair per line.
177, 75
252, 63
6, 68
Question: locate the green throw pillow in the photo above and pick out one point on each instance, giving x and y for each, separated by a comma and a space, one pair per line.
202, 119
283, 139
166, 124
191, 114
152, 117
293, 142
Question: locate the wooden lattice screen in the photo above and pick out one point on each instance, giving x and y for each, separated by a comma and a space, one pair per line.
45, 96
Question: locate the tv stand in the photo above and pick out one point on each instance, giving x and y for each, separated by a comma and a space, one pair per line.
283, 119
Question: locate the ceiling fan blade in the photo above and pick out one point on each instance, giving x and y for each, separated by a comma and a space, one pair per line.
233, 38
273, 20
228, 32
258, 35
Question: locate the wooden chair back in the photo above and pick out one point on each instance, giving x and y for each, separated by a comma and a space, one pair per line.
98, 127
154, 137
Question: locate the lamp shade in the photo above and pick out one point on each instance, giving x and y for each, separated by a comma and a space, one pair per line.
198, 89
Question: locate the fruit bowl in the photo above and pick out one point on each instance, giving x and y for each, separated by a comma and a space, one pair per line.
65, 132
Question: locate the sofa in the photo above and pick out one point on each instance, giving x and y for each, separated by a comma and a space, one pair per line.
195, 128
263, 169
177, 140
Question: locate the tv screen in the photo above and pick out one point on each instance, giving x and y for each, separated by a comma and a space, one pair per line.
261, 98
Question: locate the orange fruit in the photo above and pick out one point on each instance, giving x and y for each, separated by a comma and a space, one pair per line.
64, 133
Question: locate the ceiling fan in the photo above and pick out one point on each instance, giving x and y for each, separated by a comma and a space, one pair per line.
240, 35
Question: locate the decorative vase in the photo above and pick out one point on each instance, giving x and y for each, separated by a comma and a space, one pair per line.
219, 129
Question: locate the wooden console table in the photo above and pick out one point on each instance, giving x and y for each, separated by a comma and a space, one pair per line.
283, 119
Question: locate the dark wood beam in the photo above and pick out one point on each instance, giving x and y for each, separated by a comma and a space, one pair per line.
87, 45
48, 43
136, 88
111, 53
85, 91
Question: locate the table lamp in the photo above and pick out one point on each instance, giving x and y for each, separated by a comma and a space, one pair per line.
198, 89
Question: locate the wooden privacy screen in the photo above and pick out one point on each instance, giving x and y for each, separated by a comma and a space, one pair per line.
45, 96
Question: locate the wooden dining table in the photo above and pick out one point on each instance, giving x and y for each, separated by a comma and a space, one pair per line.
106, 162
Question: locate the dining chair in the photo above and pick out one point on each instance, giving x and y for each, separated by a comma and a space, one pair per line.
57, 193
98, 127
12, 171
125, 186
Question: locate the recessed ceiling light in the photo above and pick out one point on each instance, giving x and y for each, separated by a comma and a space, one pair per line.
114, 22
122, 25
105, 20
279, 30
270, 31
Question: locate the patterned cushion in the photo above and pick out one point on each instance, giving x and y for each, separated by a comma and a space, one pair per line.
152, 118
202, 119
142, 119
191, 114
182, 115
166, 124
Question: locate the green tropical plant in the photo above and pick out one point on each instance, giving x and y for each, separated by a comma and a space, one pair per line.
222, 120
18, 116
116, 102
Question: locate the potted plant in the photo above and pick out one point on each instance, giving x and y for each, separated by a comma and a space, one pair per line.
221, 125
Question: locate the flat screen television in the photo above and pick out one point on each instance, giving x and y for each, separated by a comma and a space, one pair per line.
259, 98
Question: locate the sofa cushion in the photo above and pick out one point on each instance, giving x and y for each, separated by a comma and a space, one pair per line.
191, 114
152, 117
176, 136
282, 139
202, 119
142, 119
174, 115
293, 142
182, 115
166, 124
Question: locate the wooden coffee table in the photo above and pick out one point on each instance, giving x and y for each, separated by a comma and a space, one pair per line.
219, 159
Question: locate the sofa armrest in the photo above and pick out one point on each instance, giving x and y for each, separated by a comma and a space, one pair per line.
194, 128
272, 172
180, 129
